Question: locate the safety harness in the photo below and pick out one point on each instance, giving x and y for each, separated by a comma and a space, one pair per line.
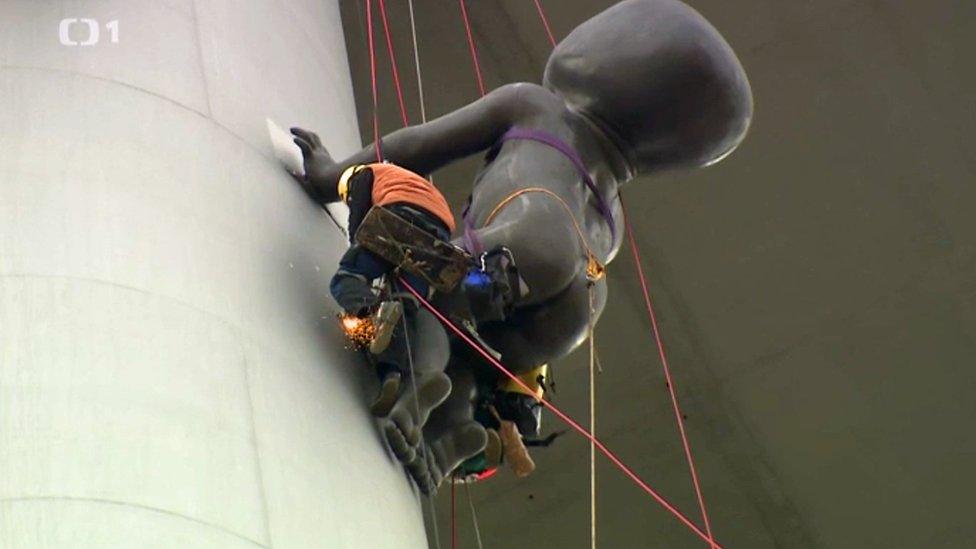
595, 269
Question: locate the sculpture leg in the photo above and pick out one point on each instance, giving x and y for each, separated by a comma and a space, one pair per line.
411, 411
428, 346
540, 334
452, 435
547, 250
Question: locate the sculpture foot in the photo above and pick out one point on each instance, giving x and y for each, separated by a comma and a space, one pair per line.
410, 413
449, 451
420, 472
387, 396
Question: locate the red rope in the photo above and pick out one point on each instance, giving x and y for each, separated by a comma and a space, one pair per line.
372, 75
667, 374
559, 413
707, 536
545, 22
393, 64
471, 46
657, 336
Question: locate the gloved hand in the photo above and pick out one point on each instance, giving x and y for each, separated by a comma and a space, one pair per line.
361, 312
318, 166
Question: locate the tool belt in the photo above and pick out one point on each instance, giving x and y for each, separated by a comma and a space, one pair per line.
413, 249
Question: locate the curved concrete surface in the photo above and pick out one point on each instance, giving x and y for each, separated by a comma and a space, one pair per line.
170, 374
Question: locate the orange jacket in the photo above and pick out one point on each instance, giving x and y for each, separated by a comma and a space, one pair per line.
392, 184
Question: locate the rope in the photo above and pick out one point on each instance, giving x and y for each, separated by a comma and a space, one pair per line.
545, 22
379, 157
416, 409
393, 63
657, 337
453, 517
473, 48
667, 374
559, 413
595, 269
416, 62
594, 442
474, 515
592, 422
372, 76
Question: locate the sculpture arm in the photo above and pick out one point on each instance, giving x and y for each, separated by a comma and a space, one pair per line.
423, 148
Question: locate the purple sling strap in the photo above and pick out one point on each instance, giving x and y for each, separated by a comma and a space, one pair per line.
546, 138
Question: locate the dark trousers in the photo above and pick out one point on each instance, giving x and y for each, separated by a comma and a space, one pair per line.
352, 285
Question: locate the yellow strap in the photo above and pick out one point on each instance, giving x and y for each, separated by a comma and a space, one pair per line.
595, 270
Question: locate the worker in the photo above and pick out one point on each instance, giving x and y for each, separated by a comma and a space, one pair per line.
417, 201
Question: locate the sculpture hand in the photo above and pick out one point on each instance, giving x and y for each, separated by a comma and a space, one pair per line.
318, 162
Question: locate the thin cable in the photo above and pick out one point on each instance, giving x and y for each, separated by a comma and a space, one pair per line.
393, 64
453, 517
474, 516
592, 423
545, 22
657, 337
406, 332
372, 75
667, 373
559, 413
416, 62
471, 46
416, 408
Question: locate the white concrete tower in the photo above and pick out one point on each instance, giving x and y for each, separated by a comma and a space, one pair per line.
170, 370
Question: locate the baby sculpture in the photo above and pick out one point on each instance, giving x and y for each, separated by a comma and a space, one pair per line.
644, 86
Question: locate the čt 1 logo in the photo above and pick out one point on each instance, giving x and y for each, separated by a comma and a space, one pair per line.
64, 31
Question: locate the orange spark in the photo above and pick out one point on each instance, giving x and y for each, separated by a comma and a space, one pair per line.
359, 330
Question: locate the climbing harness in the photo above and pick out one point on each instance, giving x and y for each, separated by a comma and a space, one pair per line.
546, 138
595, 269
493, 286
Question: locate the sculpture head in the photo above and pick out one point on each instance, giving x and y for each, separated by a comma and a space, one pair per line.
659, 80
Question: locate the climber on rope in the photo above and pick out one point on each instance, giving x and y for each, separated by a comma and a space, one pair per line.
512, 417
643, 87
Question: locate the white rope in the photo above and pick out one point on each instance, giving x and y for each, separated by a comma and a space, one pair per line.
416, 406
416, 62
474, 516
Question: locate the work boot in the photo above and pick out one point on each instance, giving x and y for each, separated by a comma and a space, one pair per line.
387, 396
411, 411
385, 320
